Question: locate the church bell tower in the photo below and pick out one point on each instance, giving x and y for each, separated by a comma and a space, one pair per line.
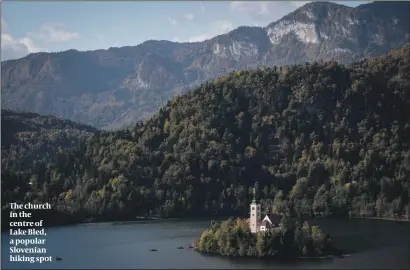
255, 214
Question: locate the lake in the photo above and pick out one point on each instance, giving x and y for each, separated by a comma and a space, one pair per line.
373, 244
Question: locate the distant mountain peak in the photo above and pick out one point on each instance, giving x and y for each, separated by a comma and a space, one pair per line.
119, 86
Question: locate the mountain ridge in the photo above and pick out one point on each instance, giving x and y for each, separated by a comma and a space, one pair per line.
116, 87
328, 138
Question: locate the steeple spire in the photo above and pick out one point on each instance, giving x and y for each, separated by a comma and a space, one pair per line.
254, 195
254, 192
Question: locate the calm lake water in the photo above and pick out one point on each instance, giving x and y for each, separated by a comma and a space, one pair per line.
373, 244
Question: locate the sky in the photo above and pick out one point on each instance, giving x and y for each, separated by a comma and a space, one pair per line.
52, 26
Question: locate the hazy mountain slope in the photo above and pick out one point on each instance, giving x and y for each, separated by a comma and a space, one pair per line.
116, 87
321, 137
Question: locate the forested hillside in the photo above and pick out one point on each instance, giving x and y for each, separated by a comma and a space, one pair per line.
28, 139
115, 88
320, 138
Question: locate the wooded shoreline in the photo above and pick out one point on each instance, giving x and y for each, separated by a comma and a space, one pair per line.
380, 218
68, 222
294, 238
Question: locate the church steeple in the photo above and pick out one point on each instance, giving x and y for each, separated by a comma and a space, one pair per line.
255, 213
254, 195
255, 189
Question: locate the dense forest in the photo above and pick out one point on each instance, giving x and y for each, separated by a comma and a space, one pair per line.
320, 138
30, 137
290, 240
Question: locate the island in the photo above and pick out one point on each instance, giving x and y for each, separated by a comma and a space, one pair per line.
280, 236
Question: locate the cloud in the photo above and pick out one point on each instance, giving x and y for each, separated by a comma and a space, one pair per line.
198, 38
4, 26
217, 28
189, 16
100, 37
299, 3
202, 6
265, 10
16, 47
52, 32
13, 48
221, 27
172, 21
176, 39
251, 7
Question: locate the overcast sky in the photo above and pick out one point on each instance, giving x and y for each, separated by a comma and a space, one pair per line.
29, 27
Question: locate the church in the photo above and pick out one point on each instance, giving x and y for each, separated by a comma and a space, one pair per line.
257, 224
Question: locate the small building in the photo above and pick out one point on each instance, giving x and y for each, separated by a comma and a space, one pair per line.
256, 223
265, 226
270, 221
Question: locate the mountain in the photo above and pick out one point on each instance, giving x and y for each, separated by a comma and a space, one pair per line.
318, 138
30, 137
116, 87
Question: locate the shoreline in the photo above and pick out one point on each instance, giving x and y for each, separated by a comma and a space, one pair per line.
141, 218
380, 218
305, 242
326, 257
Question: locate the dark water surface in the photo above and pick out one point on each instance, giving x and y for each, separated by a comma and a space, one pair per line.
373, 244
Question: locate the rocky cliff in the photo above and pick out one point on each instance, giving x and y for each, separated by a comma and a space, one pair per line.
116, 87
